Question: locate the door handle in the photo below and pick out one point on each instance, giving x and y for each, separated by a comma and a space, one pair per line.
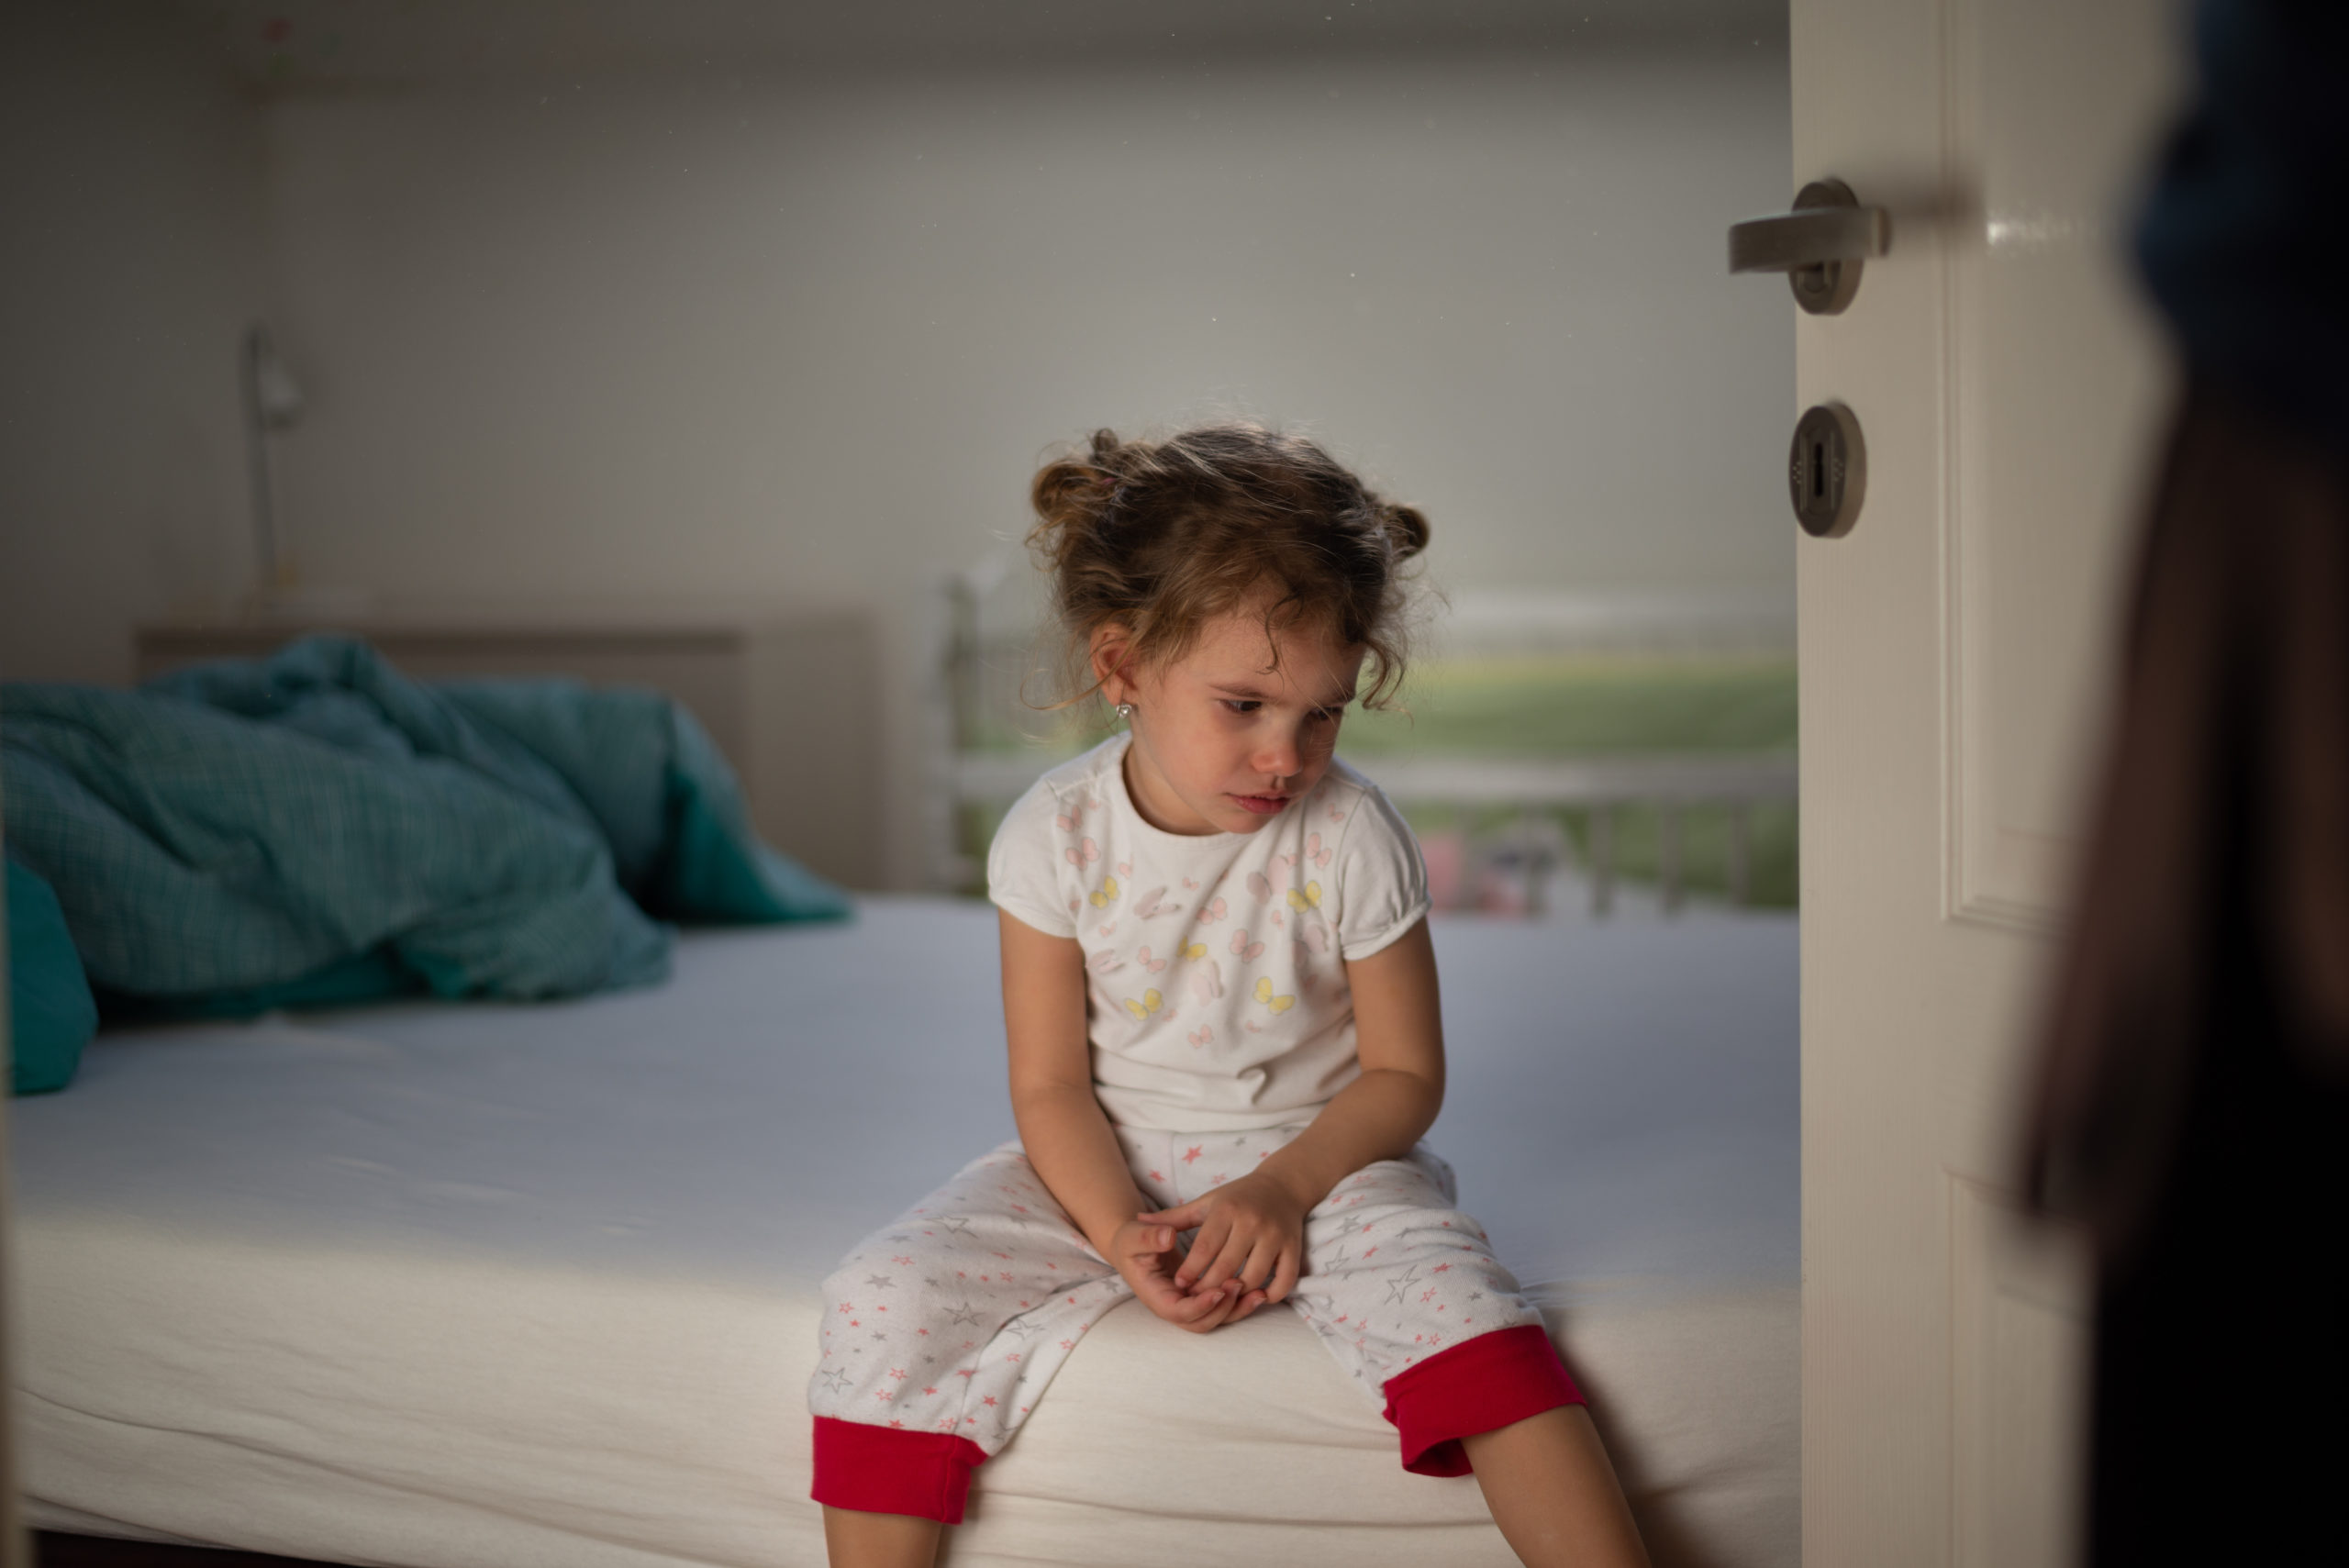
1820, 245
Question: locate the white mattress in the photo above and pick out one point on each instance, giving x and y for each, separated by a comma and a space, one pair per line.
489, 1285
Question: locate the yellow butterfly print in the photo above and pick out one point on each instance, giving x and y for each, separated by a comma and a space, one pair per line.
1264, 994
1151, 1002
1195, 952
1307, 897
1106, 895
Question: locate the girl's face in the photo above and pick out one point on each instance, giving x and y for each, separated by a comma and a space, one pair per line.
1226, 736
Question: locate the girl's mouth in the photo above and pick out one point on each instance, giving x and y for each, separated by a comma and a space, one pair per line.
1261, 804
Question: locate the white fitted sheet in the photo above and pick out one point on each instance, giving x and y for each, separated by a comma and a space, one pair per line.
490, 1285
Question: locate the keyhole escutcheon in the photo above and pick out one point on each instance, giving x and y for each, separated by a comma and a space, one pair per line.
1827, 471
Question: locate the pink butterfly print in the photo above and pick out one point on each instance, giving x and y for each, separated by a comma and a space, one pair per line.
1103, 961
1190, 882
1125, 867
1336, 815
1257, 883
1085, 853
1209, 913
1067, 821
1243, 947
1314, 851
1202, 1035
1074, 905
1276, 918
1314, 935
1110, 929
1207, 980
1149, 904
1156, 965
1253, 1027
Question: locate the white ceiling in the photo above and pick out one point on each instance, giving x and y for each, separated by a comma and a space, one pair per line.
298, 44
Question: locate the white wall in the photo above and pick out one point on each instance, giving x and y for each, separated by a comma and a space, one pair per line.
788, 337
131, 201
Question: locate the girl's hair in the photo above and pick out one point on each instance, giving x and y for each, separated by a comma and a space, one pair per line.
1162, 536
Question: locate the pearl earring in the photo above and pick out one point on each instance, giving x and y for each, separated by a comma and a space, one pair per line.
1125, 710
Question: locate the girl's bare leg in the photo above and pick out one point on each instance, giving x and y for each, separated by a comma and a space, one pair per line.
1553, 1493
855, 1539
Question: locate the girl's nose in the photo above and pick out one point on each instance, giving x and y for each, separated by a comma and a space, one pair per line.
1280, 756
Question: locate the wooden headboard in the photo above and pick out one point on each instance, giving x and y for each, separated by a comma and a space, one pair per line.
791, 700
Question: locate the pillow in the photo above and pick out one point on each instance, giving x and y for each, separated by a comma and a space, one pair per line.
51, 1014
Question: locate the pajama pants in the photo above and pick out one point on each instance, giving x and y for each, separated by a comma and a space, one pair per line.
941, 1330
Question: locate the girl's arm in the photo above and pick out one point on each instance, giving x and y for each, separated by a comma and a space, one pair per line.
1254, 1229
1398, 1038
1066, 1135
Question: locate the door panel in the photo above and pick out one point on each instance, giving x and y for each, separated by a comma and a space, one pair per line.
2056, 384
1952, 655
2019, 1355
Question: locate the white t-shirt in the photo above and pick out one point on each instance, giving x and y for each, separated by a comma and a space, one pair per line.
1216, 999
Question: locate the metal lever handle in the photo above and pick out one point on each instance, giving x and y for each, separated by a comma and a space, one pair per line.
1820, 245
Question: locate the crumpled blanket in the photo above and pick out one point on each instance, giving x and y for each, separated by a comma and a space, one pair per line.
315, 827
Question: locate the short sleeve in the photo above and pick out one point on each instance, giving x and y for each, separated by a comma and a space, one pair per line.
1023, 865
1382, 881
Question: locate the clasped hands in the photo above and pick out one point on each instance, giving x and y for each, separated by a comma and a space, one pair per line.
1249, 1250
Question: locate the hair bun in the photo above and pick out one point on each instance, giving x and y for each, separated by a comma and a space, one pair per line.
1407, 527
1071, 496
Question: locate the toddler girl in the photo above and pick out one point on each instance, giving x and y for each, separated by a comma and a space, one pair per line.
1220, 1001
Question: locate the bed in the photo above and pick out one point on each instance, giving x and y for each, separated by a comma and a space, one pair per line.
467, 1286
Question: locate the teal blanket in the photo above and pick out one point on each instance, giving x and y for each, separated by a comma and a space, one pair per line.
317, 828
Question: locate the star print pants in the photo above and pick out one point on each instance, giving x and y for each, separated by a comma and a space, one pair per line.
941, 1330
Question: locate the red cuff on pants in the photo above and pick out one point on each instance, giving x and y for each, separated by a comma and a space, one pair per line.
1478, 1386
888, 1470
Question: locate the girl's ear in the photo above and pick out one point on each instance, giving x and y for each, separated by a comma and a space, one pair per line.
1111, 650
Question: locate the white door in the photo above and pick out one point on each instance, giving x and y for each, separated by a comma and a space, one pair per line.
2010, 389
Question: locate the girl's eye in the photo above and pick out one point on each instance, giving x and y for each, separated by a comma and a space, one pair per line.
1242, 705
1324, 716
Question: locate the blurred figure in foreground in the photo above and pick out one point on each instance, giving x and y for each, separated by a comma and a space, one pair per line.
2194, 1098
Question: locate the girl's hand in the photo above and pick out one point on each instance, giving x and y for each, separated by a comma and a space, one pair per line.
1250, 1231
1144, 1253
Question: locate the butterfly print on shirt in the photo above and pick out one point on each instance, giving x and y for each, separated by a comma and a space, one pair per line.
1152, 904
1206, 975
